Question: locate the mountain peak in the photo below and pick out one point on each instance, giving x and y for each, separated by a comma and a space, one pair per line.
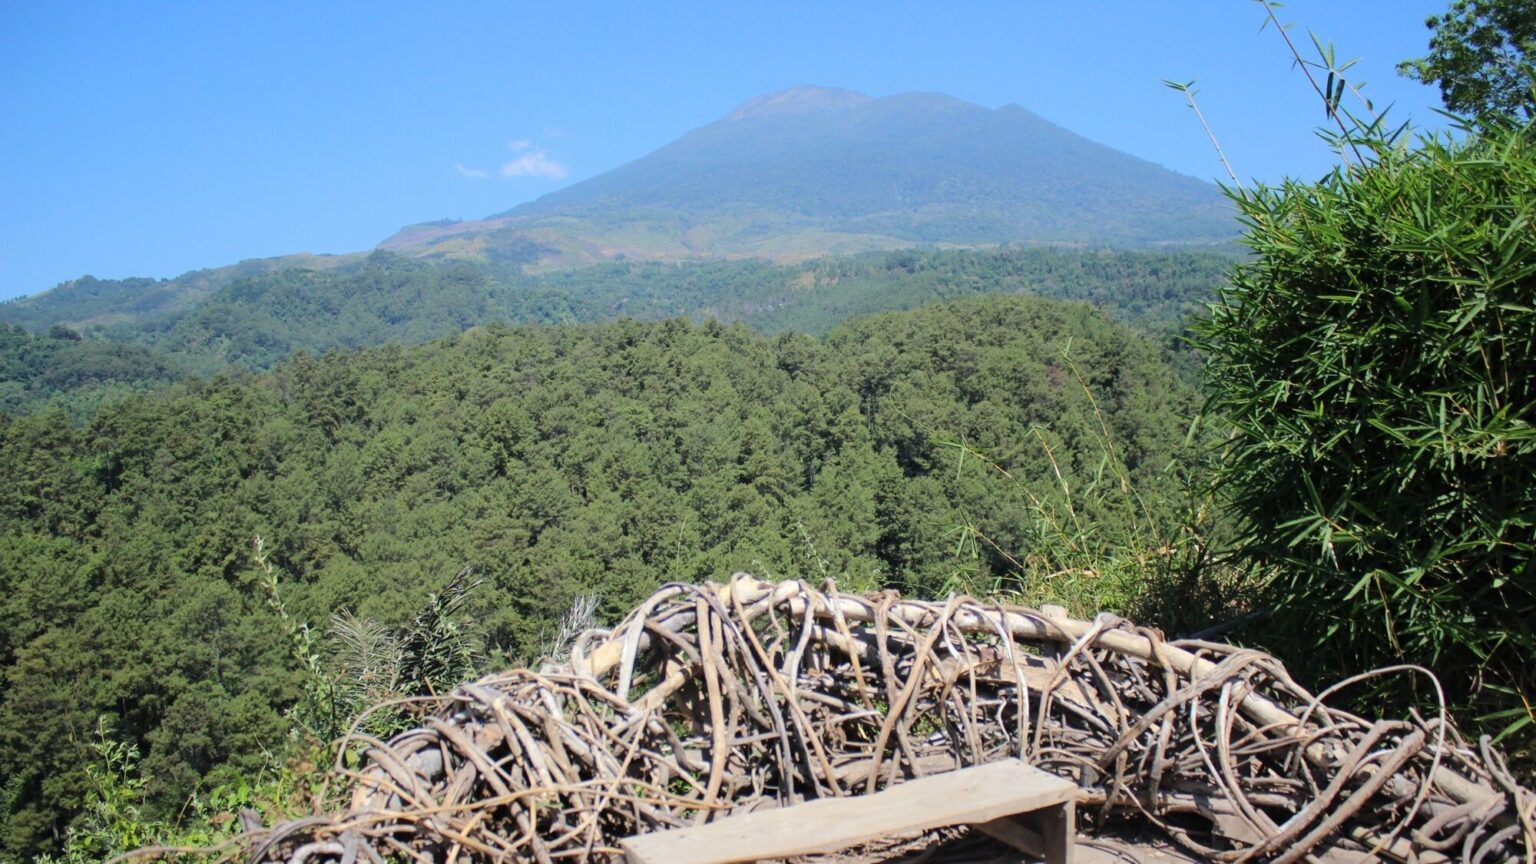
923, 100
813, 171
804, 99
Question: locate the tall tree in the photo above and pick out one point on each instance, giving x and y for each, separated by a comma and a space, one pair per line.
1480, 57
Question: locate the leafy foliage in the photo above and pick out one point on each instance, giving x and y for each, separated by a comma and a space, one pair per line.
1376, 362
115, 819
1481, 57
437, 650
259, 320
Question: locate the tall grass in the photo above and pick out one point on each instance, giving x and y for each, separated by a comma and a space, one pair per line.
1154, 561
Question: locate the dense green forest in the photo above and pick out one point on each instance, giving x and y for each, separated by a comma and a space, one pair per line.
61, 370
256, 320
556, 461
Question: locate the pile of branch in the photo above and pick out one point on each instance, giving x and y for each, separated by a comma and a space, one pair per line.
715, 699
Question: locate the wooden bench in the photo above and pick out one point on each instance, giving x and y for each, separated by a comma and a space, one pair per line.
1020, 805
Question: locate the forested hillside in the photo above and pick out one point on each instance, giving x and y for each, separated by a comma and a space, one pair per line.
257, 320
91, 303
923, 450
61, 370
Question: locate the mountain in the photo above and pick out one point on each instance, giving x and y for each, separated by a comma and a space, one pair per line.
815, 171
789, 177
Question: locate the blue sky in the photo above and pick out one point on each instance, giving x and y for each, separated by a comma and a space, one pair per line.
148, 139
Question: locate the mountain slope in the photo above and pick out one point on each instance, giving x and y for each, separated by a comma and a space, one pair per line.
91, 303
76, 375
257, 320
814, 171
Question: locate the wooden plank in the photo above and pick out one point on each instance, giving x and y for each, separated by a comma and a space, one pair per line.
969, 796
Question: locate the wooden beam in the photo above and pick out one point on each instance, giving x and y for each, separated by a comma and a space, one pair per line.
978, 795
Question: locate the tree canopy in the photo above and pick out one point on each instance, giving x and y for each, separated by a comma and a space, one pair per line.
255, 320
1480, 56
558, 461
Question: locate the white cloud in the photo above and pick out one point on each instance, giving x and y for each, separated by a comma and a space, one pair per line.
519, 145
471, 173
534, 164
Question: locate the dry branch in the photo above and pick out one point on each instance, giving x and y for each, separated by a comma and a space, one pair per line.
727, 698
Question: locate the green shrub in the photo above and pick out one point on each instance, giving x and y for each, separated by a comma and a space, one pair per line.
1375, 363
